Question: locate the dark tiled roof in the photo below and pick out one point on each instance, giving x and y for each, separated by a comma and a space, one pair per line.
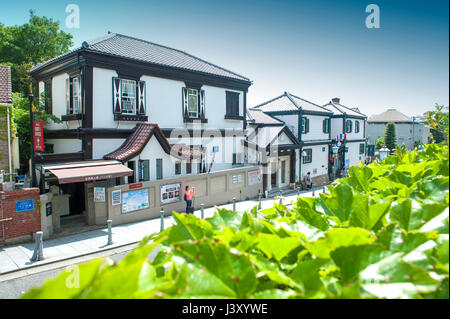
339, 109
289, 102
258, 117
5, 84
136, 142
390, 115
136, 49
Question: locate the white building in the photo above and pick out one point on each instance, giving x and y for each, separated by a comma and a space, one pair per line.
310, 124
348, 130
408, 129
272, 145
159, 111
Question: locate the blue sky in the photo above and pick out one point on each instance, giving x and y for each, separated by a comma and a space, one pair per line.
314, 49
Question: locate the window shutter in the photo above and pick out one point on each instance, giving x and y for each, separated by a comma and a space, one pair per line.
202, 103
324, 125
67, 96
48, 96
307, 125
228, 103
141, 97
117, 95
184, 105
351, 126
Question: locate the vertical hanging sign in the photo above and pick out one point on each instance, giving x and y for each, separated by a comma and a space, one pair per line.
38, 135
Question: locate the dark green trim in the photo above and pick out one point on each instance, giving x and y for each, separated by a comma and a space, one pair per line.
327, 142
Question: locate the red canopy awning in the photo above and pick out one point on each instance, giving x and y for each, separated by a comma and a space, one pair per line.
90, 173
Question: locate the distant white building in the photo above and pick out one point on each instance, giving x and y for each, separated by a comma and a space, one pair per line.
408, 129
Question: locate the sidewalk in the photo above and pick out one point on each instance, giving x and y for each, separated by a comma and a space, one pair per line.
17, 257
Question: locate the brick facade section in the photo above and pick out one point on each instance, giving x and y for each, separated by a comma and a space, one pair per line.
21, 224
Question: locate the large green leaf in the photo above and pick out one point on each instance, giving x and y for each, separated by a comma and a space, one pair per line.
275, 247
339, 202
228, 265
70, 283
339, 237
188, 227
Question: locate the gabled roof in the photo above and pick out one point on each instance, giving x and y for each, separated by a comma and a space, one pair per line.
289, 102
258, 117
5, 85
137, 141
339, 109
265, 136
124, 46
390, 115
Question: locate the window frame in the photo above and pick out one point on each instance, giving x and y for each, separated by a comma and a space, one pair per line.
189, 94
363, 147
178, 168
357, 126
304, 161
70, 96
348, 126
143, 178
127, 98
159, 169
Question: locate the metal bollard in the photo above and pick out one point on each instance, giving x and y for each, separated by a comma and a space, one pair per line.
38, 253
162, 219
323, 191
281, 198
259, 200
202, 208
109, 221
234, 204
298, 191
314, 192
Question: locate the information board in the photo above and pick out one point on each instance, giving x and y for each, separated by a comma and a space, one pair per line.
135, 200
170, 193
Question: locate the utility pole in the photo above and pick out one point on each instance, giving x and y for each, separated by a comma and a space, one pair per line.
32, 164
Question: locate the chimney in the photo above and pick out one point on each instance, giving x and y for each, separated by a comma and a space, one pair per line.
336, 100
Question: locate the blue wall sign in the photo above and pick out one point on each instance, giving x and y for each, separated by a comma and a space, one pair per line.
323, 149
24, 205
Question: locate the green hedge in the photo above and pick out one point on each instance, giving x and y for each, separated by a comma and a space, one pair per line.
382, 232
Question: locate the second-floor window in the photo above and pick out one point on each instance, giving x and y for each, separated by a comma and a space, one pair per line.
193, 103
326, 125
348, 126
232, 103
356, 126
73, 95
305, 125
128, 96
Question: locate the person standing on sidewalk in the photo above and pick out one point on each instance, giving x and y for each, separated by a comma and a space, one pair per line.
188, 194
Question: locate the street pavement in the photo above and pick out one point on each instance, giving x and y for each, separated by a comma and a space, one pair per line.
16, 258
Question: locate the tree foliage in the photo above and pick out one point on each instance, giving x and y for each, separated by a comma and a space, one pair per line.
34, 42
21, 118
437, 121
390, 136
379, 143
382, 232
